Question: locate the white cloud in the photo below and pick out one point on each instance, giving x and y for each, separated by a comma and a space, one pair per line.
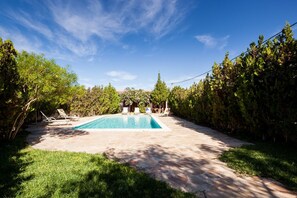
158, 17
77, 47
207, 40
21, 42
211, 42
120, 75
82, 27
27, 21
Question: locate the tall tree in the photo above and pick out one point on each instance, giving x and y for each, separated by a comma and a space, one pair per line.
256, 93
40, 80
9, 88
113, 98
160, 93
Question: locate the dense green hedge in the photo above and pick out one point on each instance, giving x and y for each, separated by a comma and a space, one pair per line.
95, 101
255, 94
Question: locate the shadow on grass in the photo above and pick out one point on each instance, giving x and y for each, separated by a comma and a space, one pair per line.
197, 175
266, 160
11, 165
117, 180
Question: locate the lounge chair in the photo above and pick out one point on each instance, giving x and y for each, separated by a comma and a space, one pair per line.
65, 116
148, 110
166, 112
125, 110
136, 110
53, 120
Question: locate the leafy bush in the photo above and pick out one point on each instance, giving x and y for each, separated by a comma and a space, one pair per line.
256, 93
95, 101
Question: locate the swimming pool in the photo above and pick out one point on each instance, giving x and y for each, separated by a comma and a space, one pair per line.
122, 122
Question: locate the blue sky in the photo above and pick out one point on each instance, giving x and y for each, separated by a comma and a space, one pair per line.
127, 42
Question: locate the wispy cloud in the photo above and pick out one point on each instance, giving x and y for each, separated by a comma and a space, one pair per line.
212, 42
158, 17
28, 21
75, 46
82, 27
21, 42
120, 75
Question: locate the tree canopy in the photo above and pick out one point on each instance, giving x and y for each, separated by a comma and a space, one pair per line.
255, 94
138, 98
25, 79
160, 93
95, 101
9, 88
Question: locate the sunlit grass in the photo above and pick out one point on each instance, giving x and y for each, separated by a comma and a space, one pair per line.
274, 161
27, 172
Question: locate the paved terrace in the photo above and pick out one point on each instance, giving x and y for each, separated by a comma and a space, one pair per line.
185, 157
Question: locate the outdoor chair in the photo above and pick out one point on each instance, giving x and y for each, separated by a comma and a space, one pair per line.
51, 120
148, 110
65, 116
136, 110
166, 112
125, 111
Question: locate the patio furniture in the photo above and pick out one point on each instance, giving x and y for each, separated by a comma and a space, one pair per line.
148, 110
65, 116
125, 111
136, 110
52, 120
166, 112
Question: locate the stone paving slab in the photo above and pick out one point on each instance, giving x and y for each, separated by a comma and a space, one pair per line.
185, 157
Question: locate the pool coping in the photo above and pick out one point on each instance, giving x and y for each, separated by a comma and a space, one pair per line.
163, 128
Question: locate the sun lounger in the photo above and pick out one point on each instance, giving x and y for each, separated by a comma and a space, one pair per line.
65, 116
51, 120
166, 112
136, 110
148, 110
125, 111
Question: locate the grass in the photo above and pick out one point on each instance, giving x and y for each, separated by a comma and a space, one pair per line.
28, 172
268, 160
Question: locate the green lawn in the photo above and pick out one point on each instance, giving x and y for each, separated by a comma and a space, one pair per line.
269, 160
28, 172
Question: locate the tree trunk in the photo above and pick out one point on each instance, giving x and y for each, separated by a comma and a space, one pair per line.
19, 121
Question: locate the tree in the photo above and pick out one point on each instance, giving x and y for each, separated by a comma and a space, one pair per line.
40, 80
113, 98
160, 93
134, 97
78, 102
9, 88
256, 93
95, 101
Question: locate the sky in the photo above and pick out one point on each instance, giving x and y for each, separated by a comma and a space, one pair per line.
127, 42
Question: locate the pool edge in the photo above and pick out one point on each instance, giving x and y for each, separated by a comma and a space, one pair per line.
163, 128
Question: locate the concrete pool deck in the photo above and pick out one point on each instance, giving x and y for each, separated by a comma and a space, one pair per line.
185, 157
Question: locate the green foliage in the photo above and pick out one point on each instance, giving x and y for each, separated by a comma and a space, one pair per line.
9, 89
255, 94
41, 80
112, 96
44, 80
265, 160
160, 93
26, 79
95, 101
27, 172
134, 97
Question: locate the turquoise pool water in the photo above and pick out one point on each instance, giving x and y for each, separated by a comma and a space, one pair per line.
122, 122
